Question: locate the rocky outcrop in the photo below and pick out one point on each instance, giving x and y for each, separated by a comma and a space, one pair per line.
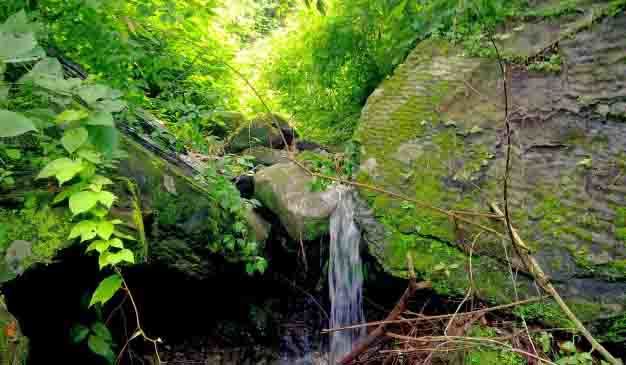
285, 189
435, 132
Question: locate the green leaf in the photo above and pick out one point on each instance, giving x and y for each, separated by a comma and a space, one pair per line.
68, 191
48, 74
105, 139
101, 118
101, 180
101, 330
106, 289
86, 230
99, 346
74, 138
102, 245
78, 333
106, 198
72, 115
109, 258
13, 154
105, 229
99, 245
19, 47
18, 23
14, 124
89, 155
83, 202
63, 169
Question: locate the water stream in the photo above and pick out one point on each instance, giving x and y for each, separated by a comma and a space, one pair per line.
345, 277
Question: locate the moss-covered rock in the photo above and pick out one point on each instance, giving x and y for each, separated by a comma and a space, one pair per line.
285, 189
261, 131
434, 132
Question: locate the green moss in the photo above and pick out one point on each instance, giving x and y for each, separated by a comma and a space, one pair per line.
45, 227
490, 355
549, 312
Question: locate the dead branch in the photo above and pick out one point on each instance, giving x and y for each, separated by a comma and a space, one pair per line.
378, 332
437, 317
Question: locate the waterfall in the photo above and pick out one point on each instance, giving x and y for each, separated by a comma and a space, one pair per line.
345, 277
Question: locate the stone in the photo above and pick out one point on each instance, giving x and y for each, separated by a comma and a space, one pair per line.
266, 156
285, 190
258, 225
261, 131
560, 206
15, 255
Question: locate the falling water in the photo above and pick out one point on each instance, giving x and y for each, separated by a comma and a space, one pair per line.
345, 277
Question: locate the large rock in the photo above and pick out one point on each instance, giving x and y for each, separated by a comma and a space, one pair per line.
261, 131
181, 219
285, 189
267, 156
434, 132
13, 343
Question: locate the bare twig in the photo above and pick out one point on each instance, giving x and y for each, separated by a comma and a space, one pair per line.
397, 310
437, 317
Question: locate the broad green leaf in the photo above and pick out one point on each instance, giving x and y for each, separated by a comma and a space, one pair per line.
98, 245
103, 245
78, 333
18, 47
106, 289
13, 154
105, 229
94, 93
101, 330
48, 74
101, 180
105, 139
106, 198
101, 118
89, 155
63, 169
74, 138
18, 23
109, 258
86, 230
83, 202
111, 106
100, 347
43, 118
14, 124
72, 115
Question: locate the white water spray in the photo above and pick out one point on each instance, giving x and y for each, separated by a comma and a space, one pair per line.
345, 277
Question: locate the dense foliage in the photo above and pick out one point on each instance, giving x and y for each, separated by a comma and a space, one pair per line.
324, 65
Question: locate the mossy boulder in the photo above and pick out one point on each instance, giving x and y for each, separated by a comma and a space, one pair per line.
434, 132
261, 131
13, 343
285, 189
267, 156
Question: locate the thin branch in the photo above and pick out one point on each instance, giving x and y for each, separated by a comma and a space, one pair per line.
437, 317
